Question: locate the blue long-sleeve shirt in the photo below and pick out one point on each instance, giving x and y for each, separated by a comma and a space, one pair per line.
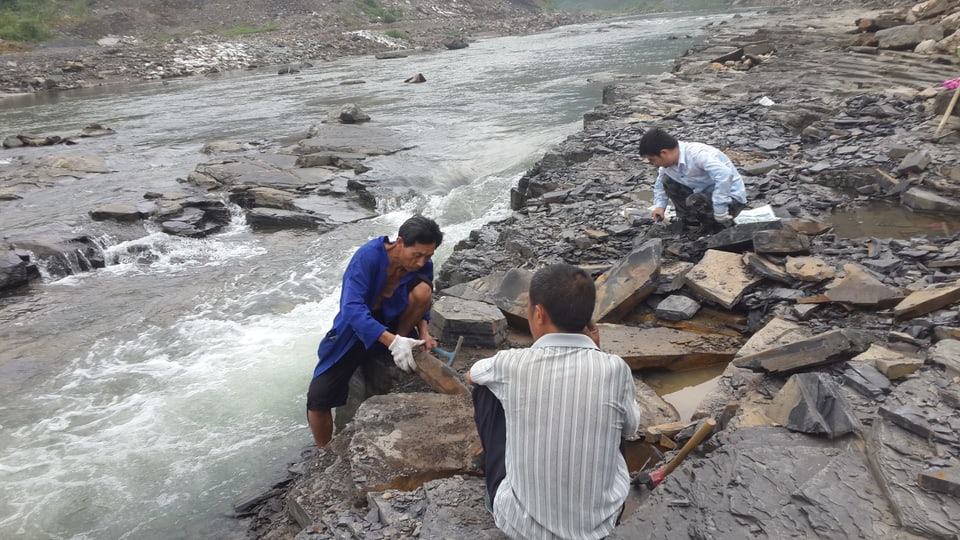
362, 282
703, 168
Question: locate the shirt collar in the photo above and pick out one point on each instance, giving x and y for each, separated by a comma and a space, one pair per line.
682, 160
565, 340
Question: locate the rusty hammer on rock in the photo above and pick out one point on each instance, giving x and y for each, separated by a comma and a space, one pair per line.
450, 355
653, 479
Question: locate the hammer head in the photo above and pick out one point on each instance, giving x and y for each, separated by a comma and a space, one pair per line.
649, 479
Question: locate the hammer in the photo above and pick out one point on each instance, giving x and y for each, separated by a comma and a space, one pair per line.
653, 479
449, 355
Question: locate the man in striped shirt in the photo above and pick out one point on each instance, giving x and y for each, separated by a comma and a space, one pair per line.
552, 417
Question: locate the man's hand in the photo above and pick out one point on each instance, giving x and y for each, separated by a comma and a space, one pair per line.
402, 351
723, 219
657, 213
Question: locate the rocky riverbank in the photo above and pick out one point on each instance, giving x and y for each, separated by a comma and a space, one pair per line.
130, 42
839, 411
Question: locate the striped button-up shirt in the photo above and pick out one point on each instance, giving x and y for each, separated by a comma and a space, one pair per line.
567, 407
703, 168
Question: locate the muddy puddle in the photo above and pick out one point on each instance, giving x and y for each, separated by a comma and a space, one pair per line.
684, 389
879, 219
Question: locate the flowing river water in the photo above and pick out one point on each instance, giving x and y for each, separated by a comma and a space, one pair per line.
140, 400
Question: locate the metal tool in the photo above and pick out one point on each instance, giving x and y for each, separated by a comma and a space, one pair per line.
449, 355
653, 479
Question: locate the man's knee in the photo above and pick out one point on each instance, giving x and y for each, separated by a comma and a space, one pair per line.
420, 297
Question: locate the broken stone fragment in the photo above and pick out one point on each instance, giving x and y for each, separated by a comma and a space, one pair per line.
825, 348
677, 308
928, 201
808, 269
920, 303
859, 288
509, 291
865, 378
812, 403
629, 282
894, 365
763, 267
912, 419
720, 277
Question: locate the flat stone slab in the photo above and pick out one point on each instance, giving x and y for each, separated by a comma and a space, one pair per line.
720, 277
893, 364
857, 287
941, 481
919, 303
480, 324
765, 268
825, 348
666, 348
353, 138
928, 201
629, 282
249, 172
333, 209
509, 291
404, 440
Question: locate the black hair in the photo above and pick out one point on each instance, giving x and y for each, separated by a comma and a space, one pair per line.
567, 293
420, 230
655, 141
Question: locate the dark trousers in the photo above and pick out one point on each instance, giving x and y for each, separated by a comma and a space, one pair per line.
492, 427
695, 207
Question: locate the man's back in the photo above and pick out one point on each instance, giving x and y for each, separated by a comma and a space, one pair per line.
567, 406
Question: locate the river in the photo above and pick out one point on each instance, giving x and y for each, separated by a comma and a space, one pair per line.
141, 400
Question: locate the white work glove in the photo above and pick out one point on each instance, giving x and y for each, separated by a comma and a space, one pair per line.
402, 351
724, 219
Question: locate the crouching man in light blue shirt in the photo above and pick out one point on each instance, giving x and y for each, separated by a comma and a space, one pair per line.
701, 181
551, 419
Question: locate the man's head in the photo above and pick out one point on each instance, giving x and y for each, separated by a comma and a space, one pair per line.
417, 239
562, 298
659, 148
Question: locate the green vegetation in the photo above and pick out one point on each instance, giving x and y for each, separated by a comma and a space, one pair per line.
27, 20
243, 30
398, 34
377, 12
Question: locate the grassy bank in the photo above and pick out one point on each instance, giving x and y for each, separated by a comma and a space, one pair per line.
32, 20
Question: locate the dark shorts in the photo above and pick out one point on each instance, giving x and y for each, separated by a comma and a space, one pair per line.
330, 389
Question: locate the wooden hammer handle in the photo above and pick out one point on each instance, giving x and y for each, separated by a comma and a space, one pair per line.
702, 432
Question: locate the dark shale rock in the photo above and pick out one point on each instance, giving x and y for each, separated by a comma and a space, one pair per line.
480, 324
812, 403
825, 348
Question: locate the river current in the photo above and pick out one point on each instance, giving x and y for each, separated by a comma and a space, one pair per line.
141, 400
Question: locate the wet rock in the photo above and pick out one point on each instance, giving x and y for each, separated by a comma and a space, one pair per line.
60, 250
456, 43
629, 282
677, 307
509, 291
14, 271
675, 350
928, 201
914, 420
920, 303
273, 219
812, 403
416, 79
809, 269
96, 130
894, 365
739, 237
353, 138
118, 212
480, 324
946, 353
77, 163
720, 277
349, 113
825, 348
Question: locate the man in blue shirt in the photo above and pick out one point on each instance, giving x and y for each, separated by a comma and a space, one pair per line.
701, 181
386, 295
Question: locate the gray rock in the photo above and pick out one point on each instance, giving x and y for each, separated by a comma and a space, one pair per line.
480, 324
812, 403
677, 308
